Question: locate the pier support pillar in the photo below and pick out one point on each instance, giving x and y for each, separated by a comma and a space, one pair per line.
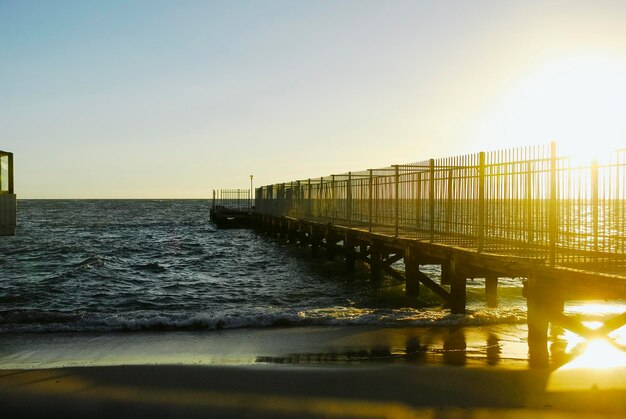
284, 229
543, 304
445, 274
330, 244
292, 232
348, 244
411, 271
491, 290
537, 334
302, 238
375, 261
458, 288
315, 242
267, 224
275, 227
315, 247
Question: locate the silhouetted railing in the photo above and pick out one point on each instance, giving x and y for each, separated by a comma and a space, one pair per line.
236, 199
526, 201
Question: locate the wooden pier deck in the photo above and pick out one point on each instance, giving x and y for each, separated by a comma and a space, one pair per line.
526, 212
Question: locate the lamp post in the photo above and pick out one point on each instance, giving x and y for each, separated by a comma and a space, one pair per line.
251, 192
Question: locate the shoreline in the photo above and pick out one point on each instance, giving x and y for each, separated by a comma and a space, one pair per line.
492, 345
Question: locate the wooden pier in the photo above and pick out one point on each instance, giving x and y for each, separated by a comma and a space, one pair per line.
232, 208
527, 213
8, 203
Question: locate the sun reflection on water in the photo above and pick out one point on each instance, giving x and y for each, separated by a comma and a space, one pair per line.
597, 308
598, 363
598, 354
600, 366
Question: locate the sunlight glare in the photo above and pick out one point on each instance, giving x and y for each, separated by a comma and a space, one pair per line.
576, 100
573, 340
598, 354
601, 366
597, 308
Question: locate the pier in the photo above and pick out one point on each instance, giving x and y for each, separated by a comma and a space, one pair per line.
8, 204
528, 212
232, 208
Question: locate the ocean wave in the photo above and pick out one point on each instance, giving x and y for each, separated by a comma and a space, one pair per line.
160, 265
91, 262
48, 321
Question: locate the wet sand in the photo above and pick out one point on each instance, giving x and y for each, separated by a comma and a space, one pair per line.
331, 345
297, 372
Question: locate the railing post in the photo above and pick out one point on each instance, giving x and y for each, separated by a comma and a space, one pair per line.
418, 202
595, 206
616, 200
349, 199
553, 228
370, 187
449, 200
275, 199
481, 201
308, 206
431, 200
458, 287
529, 203
322, 207
397, 198
284, 200
299, 212
332, 198
293, 200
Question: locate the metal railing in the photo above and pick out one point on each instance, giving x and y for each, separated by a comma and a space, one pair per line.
239, 199
525, 201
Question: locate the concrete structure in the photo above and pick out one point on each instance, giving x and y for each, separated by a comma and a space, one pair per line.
8, 202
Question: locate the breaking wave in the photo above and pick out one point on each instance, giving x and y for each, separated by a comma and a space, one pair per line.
46, 321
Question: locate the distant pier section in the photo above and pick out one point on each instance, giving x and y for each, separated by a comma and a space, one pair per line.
8, 207
232, 208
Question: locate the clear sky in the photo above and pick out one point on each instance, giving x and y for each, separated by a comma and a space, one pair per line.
170, 99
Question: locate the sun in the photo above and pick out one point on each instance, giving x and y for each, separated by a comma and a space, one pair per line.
578, 100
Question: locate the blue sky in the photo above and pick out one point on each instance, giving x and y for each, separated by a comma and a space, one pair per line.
170, 99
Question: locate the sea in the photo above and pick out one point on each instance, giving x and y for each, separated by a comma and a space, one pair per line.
84, 266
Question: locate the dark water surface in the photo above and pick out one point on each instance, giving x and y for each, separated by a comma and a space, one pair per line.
106, 265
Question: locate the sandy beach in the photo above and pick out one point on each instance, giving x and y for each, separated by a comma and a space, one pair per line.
279, 391
297, 372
